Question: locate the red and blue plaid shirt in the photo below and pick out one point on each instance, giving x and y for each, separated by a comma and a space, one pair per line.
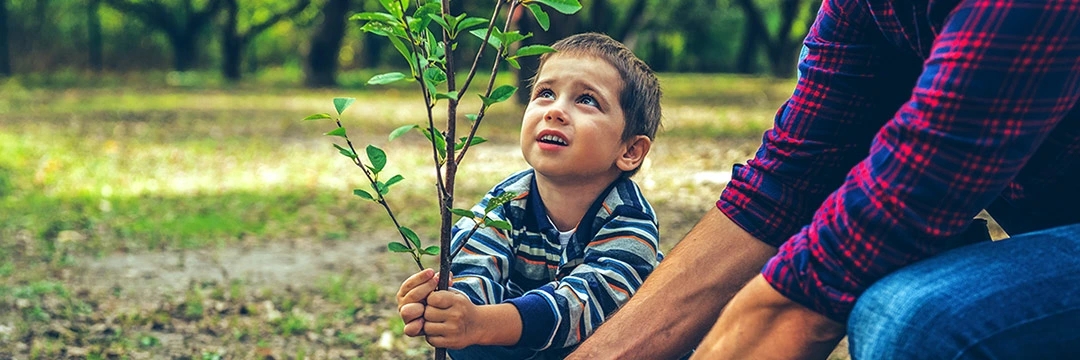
910, 117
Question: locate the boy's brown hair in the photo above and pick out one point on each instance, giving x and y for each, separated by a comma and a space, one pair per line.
640, 94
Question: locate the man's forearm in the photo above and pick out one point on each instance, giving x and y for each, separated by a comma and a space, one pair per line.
681, 300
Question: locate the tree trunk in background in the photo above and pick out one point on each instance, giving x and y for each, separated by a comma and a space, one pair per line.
5, 57
635, 20
182, 32
93, 30
325, 45
231, 45
753, 31
782, 50
233, 41
561, 26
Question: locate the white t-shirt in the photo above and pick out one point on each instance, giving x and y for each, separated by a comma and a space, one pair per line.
564, 236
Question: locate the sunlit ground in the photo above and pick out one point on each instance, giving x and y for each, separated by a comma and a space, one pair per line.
88, 174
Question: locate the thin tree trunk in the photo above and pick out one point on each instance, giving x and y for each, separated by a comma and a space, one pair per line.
747, 56
185, 53
93, 29
325, 45
234, 41
5, 59
231, 45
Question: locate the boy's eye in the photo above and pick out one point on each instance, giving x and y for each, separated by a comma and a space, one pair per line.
545, 93
588, 100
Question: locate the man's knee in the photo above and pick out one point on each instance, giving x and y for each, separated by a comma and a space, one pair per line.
900, 318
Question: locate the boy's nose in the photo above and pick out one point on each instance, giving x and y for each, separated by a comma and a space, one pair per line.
555, 113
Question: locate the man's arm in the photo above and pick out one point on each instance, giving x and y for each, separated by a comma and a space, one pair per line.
1000, 77
681, 299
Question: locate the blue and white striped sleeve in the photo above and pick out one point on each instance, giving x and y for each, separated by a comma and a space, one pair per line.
616, 261
482, 268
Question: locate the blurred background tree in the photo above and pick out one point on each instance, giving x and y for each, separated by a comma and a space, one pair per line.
313, 41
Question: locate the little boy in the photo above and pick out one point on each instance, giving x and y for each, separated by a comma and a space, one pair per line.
583, 237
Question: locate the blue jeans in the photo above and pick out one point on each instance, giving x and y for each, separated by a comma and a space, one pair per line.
1017, 298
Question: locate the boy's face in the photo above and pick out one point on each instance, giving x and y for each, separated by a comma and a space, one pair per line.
573, 124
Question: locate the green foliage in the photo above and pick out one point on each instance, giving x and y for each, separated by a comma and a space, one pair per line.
563, 6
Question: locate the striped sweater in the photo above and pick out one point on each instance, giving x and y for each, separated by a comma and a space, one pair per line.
563, 293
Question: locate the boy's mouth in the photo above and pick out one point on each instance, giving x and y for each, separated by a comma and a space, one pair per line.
552, 137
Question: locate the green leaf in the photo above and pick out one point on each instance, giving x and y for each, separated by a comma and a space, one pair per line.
363, 194
471, 23
397, 247
345, 151
373, 16
498, 95
471, 117
498, 201
337, 132
442, 22
426, 11
513, 37
411, 235
394, 180
493, 40
432, 250
394, 7
319, 117
534, 50
401, 131
463, 213
343, 103
498, 224
405, 52
475, 140
449, 95
513, 62
435, 75
377, 158
540, 15
564, 6
386, 78
440, 142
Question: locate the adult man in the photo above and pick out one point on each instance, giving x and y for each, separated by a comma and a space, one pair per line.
909, 118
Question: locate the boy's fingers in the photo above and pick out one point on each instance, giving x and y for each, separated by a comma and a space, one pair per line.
415, 328
414, 281
445, 299
433, 315
451, 283
419, 293
411, 311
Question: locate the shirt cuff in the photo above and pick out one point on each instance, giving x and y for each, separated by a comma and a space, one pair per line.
798, 275
764, 207
537, 320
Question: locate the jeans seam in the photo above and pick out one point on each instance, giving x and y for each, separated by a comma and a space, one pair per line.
1028, 321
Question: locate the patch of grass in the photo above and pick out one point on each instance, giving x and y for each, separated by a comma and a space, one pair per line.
293, 324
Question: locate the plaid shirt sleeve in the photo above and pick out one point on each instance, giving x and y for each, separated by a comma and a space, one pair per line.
1000, 76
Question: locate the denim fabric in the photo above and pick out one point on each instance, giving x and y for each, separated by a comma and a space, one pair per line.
1017, 298
483, 352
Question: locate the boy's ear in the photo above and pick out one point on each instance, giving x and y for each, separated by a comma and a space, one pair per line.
634, 154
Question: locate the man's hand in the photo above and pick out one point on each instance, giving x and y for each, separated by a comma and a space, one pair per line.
701, 274
760, 323
410, 300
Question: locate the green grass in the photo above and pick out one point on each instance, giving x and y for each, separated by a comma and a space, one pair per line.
92, 167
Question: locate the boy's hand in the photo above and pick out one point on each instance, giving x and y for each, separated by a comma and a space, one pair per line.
451, 320
410, 300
